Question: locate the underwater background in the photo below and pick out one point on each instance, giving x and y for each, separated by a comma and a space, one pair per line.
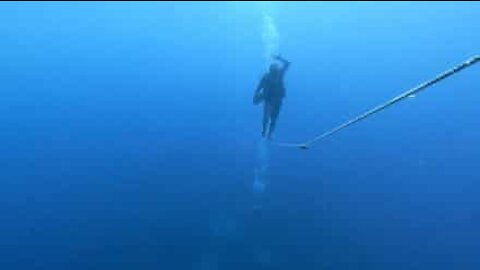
128, 137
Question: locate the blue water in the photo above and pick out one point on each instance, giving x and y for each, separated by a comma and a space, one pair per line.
129, 140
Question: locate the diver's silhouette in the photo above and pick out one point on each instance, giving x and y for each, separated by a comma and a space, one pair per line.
271, 91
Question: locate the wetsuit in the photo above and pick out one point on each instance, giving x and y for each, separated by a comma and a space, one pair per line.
273, 93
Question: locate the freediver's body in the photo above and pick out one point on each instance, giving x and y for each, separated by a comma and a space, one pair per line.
271, 90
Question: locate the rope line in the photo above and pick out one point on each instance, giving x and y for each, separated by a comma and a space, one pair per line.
381, 107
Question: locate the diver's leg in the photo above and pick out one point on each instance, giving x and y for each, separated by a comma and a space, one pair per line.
266, 116
274, 112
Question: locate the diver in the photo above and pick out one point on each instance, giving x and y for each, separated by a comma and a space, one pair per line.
271, 91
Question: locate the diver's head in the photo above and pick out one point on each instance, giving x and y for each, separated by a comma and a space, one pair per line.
274, 68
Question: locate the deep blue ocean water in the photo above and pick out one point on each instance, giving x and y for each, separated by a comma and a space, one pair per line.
128, 139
